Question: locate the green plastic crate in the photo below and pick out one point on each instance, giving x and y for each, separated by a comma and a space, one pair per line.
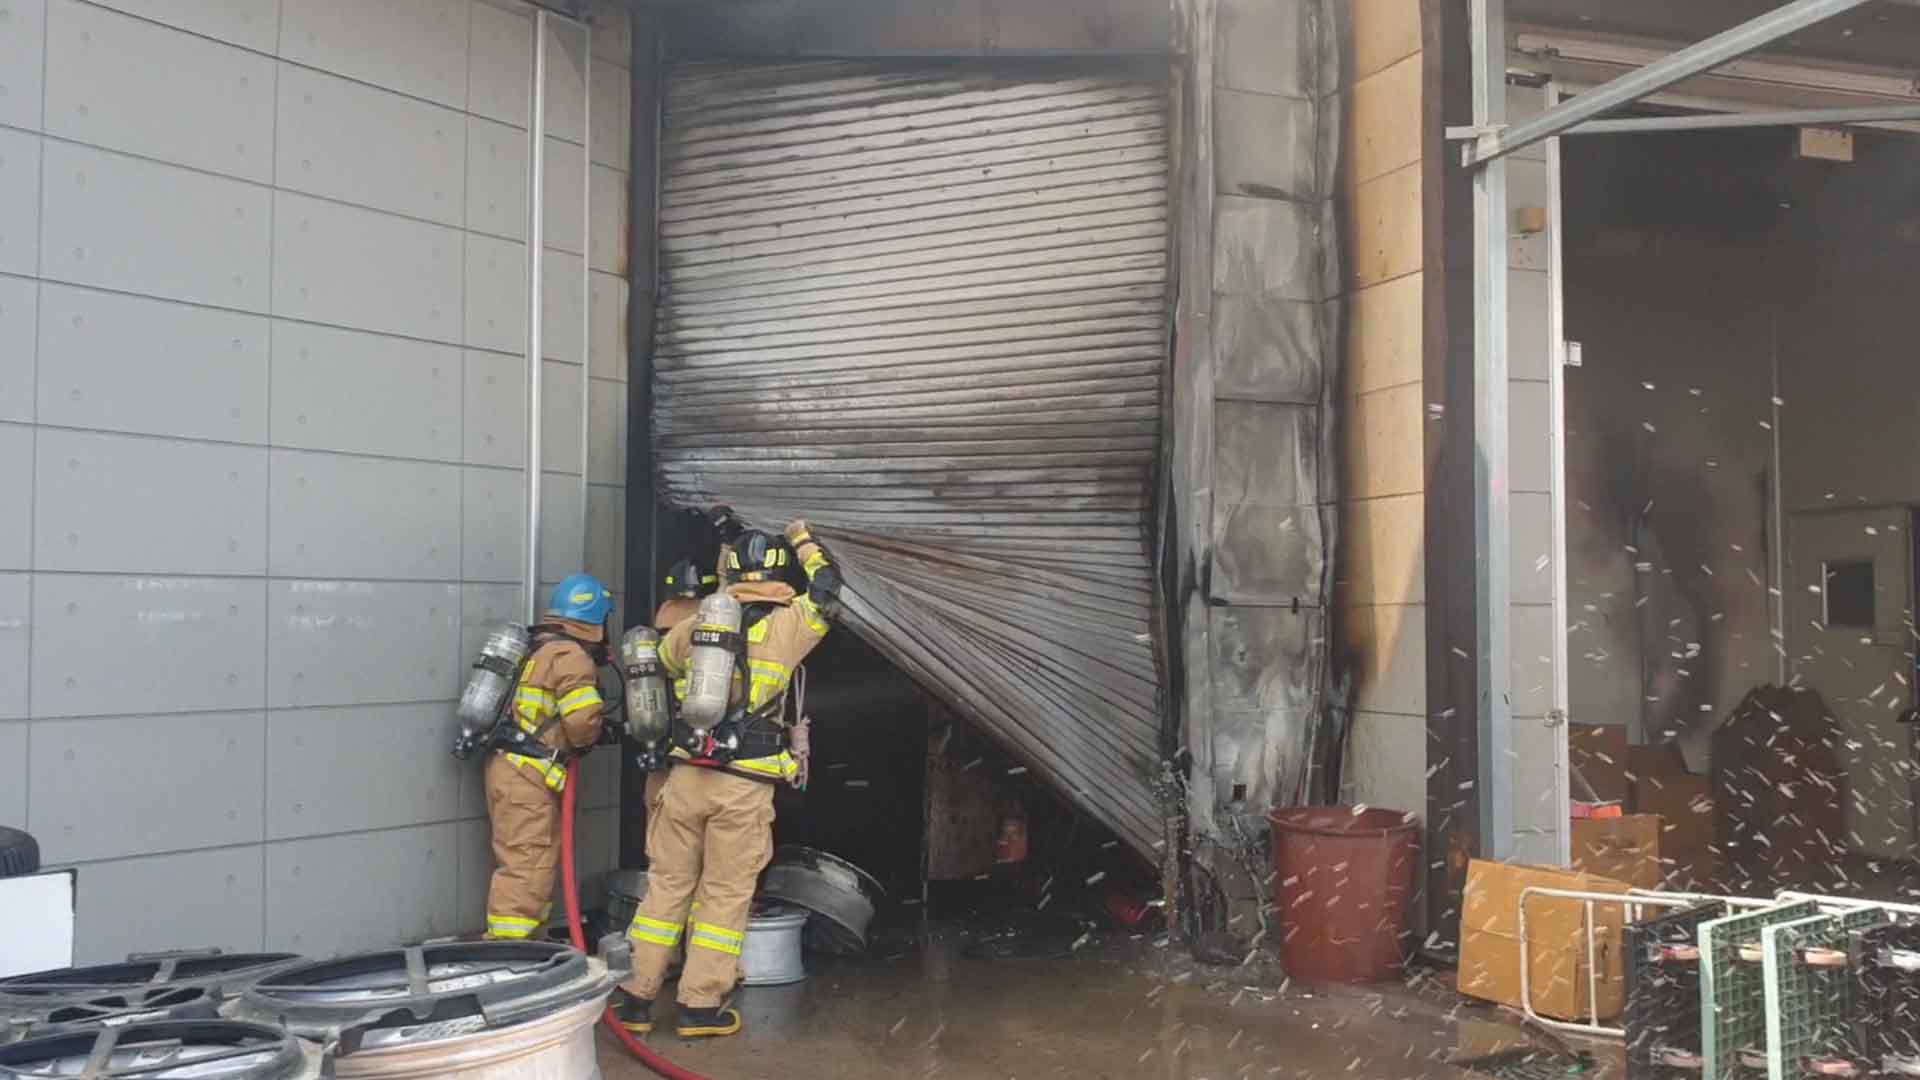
1733, 995
1807, 1006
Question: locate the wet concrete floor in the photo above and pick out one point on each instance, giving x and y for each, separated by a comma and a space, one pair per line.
1127, 1009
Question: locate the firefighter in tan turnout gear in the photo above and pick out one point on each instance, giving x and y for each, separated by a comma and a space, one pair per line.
556, 703
710, 831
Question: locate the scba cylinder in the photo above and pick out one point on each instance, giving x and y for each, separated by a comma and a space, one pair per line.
716, 637
495, 671
649, 716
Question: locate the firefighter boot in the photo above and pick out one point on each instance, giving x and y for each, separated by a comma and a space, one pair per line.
634, 1013
701, 1023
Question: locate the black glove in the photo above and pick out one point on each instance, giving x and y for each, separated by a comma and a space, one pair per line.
612, 732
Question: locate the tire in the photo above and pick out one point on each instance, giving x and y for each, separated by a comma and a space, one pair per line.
19, 853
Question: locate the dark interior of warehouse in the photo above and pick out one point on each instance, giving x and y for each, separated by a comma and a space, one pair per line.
1741, 486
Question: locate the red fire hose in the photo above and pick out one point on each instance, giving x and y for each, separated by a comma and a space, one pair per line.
572, 891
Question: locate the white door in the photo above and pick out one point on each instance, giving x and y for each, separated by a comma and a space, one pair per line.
1850, 634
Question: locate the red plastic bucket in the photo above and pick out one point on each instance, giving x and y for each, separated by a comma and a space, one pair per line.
1342, 877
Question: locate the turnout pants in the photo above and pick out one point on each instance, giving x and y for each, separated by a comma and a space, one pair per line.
525, 816
707, 841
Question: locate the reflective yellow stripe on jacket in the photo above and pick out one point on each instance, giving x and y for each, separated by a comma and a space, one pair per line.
769, 681
533, 707
585, 697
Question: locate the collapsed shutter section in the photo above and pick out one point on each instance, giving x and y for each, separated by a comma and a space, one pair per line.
924, 306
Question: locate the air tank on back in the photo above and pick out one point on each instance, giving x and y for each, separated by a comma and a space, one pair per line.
495, 671
649, 715
710, 669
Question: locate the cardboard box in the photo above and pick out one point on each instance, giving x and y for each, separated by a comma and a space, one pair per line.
1600, 752
1557, 963
1624, 849
1684, 805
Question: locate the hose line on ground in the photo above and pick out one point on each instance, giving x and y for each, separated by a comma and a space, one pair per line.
571, 890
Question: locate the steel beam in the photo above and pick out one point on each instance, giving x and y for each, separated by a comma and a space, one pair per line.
1694, 60
1641, 125
1492, 517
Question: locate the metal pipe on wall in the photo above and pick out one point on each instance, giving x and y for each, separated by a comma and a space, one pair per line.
586, 279
536, 242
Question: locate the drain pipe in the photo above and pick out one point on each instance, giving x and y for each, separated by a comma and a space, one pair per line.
571, 890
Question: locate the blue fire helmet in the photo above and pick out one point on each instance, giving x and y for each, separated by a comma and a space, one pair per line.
581, 598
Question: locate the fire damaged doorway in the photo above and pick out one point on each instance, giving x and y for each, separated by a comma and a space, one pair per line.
1740, 501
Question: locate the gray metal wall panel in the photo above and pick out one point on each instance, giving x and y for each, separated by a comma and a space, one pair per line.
179, 644
563, 526
365, 393
608, 195
16, 496
157, 506
362, 890
606, 433
13, 765
493, 514
612, 115
560, 401
190, 900
566, 87
365, 269
600, 782
360, 642
15, 609
563, 298
496, 294
494, 418
496, 178
563, 193
474, 852
607, 330
248, 23
127, 363
139, 226
501, 63
22, 63
364, 517
924, 306
345, 140
19, 202
132, 85
19, 329
152, 328
482, 607
130, 785
355, 769
418, 48
606, 534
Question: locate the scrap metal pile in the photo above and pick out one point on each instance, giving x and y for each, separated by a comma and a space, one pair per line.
1801, 988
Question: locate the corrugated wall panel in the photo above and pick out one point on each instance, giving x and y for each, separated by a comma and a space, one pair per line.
925, 306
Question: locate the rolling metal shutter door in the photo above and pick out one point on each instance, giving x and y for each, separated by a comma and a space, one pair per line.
925, 306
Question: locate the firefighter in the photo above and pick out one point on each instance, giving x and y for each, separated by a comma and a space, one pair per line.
711, 831
684, 585
557, 704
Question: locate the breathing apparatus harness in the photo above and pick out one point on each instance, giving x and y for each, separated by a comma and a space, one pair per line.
508, 736
743, 734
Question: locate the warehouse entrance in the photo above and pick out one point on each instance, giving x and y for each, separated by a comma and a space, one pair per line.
1740, 482
924, 305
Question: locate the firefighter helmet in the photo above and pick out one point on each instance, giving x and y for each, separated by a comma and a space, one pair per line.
755, 556
582, 598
